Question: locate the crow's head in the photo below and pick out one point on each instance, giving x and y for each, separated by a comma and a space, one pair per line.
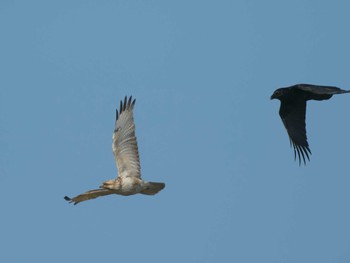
278, 93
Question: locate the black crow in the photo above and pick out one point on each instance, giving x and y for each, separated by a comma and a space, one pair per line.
293, 108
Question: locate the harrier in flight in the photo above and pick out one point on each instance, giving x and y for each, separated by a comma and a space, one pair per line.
126, 156
293, 108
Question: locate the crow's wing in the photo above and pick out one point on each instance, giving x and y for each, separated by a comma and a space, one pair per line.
328, 91
124, 144
293, 117
89, 195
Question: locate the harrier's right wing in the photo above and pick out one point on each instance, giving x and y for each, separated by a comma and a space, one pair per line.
124, 144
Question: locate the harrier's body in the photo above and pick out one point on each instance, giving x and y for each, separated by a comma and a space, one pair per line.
126, 155
293, 109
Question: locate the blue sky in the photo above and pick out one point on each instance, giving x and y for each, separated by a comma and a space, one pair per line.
202, 73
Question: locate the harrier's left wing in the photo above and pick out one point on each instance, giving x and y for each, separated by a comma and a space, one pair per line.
89, 195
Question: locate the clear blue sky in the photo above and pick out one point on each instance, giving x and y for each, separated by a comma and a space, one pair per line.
202, 73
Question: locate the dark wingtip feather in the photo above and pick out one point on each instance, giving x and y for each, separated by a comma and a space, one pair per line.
125, 104
124, 107
70, 200
129, 102
121, 107
305, 150
302, 152
297, 150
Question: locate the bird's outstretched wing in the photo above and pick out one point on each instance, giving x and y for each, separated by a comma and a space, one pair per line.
89, 195
320, 92
293, 116
124, 143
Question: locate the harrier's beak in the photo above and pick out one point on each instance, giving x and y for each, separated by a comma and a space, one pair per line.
103, 185
272, 97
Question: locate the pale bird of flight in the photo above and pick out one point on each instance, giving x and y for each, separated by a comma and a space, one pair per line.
293, 109
126, 156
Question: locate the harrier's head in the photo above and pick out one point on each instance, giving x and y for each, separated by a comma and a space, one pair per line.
111, 184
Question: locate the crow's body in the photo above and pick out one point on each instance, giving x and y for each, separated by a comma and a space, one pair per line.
293, 109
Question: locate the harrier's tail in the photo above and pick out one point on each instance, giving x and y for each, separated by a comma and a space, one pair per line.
152, 188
